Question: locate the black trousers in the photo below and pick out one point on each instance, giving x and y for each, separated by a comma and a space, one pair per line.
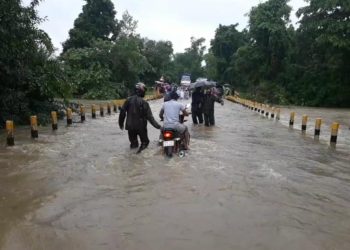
142, 133
195, 115
209, 119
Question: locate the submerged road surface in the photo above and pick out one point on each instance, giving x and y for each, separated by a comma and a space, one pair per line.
247, 183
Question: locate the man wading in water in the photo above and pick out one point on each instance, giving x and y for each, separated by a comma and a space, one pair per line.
137, 112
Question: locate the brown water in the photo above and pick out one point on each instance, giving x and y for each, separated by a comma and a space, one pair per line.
247, 183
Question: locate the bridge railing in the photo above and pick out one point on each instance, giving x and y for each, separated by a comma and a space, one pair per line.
80, 109
274, 113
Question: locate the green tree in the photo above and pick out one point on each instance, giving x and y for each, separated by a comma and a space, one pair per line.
127, 26
97, 21
128, 62
159, 55
191, 60
259, 66
247, 62
110, 62
276, 63
89, 71
211, 66
254, 60
226, 42
268, 30
106, 70
323, 42
30, 76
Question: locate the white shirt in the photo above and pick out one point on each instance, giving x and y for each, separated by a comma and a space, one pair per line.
172, 110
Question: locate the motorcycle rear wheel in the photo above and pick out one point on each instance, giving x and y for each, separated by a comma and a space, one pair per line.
182, 153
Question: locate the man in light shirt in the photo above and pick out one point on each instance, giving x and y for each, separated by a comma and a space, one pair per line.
170, 113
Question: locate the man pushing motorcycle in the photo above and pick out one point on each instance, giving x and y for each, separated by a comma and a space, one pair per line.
137, 112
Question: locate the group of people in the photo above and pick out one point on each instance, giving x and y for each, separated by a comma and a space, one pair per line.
203, 105
137, 112
182, 92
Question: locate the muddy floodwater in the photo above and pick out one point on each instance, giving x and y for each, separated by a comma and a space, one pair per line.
247, 183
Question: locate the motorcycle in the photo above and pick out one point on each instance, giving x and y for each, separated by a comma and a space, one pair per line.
172, 141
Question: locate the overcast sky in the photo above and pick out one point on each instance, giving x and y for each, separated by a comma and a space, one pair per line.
174, 20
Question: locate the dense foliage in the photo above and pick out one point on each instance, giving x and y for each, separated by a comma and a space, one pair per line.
190, 61
97, 21
274, 62
323, 53
29, 76
106, 65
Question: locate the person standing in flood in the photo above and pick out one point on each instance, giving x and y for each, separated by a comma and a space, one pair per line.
137, 112
197, 106
209, 100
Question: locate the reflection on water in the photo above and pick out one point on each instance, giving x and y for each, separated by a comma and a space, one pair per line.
247, 183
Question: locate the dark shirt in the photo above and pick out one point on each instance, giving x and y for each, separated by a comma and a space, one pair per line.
167, 96
208, 104
197, 101
137, 112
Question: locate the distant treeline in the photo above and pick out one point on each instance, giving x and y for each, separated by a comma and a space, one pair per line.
272, 61
103, 57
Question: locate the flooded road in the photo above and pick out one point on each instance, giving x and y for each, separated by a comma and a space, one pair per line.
247, 183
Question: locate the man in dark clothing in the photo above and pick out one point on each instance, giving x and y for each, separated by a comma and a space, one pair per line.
208, 107
137, 112
197, 106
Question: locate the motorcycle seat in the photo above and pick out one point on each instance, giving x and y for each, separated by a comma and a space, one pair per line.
170, 129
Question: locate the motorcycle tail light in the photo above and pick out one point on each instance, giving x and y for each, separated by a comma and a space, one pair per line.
168, 135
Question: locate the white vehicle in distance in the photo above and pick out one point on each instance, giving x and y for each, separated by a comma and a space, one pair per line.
185, 80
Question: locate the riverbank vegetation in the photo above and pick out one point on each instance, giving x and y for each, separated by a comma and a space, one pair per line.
273, 61
270, 60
